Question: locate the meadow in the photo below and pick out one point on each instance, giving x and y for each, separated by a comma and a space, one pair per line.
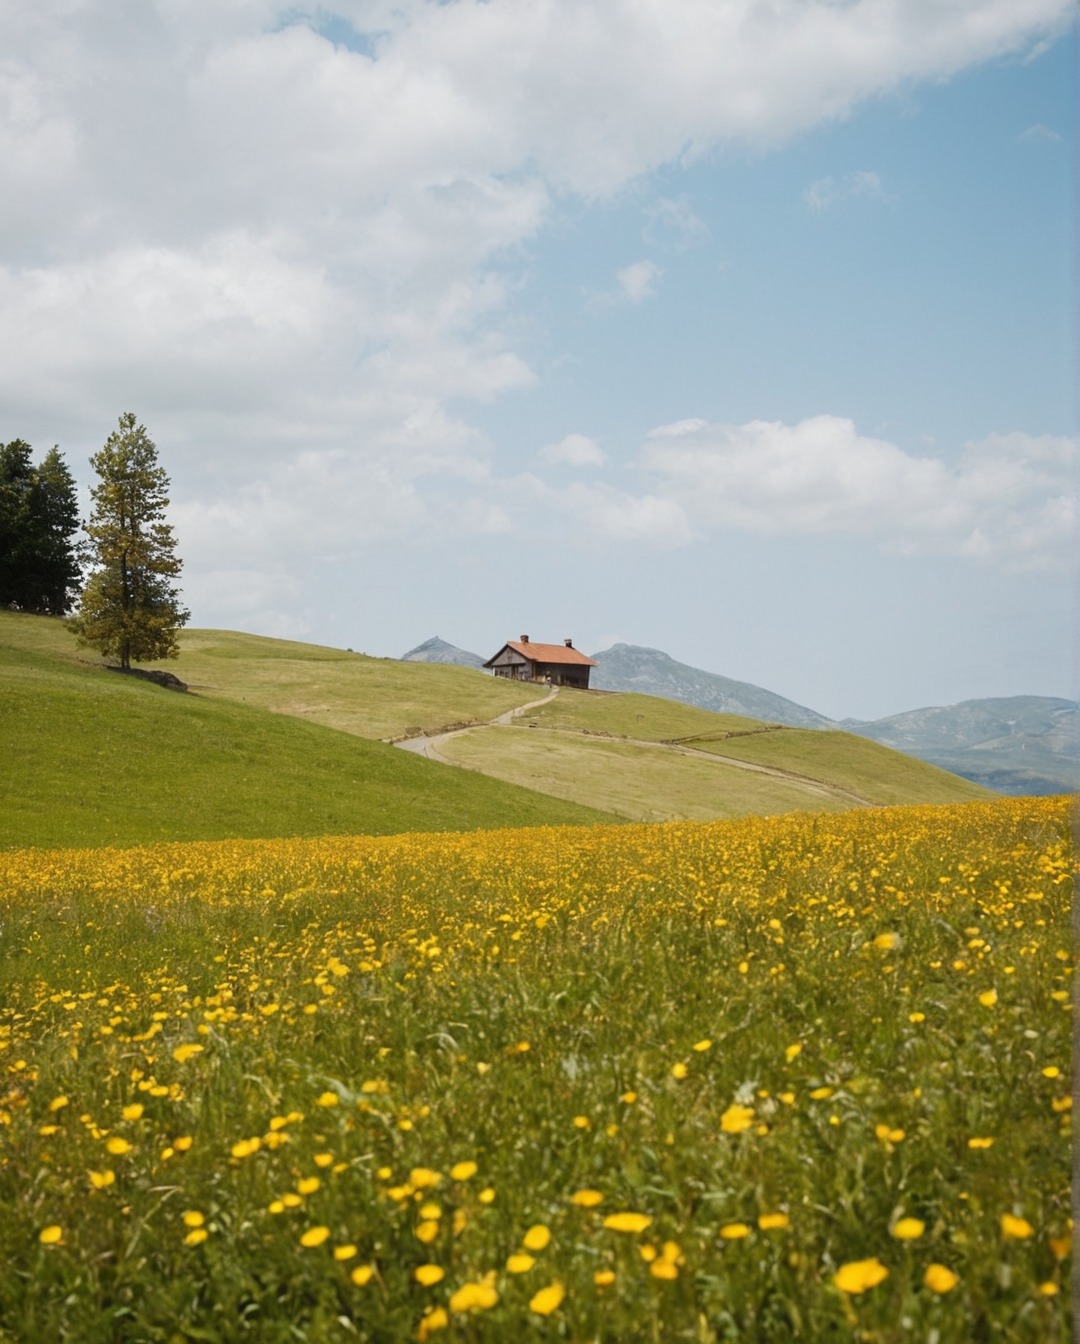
790, 1078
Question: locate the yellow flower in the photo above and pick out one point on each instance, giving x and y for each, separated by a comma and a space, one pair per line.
770, 1222
462, 1171
57, 1104
52, 1235
581, 1122
427, 1231
474, 1297
134, 1111
193, 1218
183, 1143
908, 1229
314, 1236
429, 1275
701, 1046
940, 1279
196, 1236
916, 1017
362, 1274
1015, 1229
423, 1178
821, 1093
435, 1319
587, 1199
988, 998
628, 1098
537, 1237
548, 1299
118, 1146
792, 1051
430, 1209
627, 1222
604, 1277
183, 1053
486, 1196
246, 1147
679, 1070
100, 1179
664, 1269
324, 1159
734, 1231
520, 1263
1051, 1071
980, 1143
859, 1275
737, 1118
327, 1099
346, 1252
1048, 1289
887, 942
307, 1185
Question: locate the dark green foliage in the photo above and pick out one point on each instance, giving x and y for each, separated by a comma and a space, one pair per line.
130, 609
39, 516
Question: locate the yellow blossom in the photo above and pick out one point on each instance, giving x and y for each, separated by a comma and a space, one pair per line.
734, 1231
519, 1263
537, 1237
51, 1235
908, 1229
462, 1171
770, 1222
429, 1275
737, 1118
362, 1274
859, 1275
548, 1299
627, 1222
474, 1297
314, 1236
940, 1279
101, 1179
587, 1199
1015, 1229
603, 1278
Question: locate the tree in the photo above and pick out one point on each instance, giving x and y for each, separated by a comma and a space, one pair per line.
39, 516
130, 609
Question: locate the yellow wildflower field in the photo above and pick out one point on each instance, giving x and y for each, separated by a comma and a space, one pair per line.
788, 1078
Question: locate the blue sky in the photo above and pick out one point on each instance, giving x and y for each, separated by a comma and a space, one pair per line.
740, 331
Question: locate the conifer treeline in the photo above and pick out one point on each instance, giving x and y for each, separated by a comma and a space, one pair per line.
40, 567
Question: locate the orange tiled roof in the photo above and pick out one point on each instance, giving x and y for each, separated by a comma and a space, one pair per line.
547, 653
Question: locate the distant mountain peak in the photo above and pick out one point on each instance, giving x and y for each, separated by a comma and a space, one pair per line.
632, 667
436, 650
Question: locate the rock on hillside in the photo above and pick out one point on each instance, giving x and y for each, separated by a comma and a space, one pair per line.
1024, 744
627, 667
438, 651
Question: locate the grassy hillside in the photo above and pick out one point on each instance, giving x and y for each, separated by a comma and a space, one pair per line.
90, 757
369, 697
582, 745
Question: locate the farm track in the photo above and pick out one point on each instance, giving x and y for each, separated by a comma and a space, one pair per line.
430, 747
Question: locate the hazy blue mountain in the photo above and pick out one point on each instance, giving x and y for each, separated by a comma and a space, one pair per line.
438, 651
627, 667
1015, 744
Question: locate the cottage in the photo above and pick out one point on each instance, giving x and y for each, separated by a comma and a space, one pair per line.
552, 664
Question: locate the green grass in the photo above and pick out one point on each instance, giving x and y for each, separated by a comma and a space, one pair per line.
636, 782
632, 715
91, 757
369, 697
875, 772
249, 1089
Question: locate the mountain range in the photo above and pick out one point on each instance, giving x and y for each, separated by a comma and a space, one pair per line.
1024, 744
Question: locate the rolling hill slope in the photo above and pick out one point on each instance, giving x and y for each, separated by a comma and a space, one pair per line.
90, 757
281, 738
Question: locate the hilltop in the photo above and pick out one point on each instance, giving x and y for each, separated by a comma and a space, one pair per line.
283, 738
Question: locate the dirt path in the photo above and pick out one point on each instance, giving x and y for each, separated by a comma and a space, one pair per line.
429, 746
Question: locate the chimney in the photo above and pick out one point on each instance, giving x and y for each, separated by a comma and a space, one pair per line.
569, 643
524, 639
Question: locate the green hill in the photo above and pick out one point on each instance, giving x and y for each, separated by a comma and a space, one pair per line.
91, 757
651, 759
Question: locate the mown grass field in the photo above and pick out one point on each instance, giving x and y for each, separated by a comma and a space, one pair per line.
582, 746
798, 1078
90, 757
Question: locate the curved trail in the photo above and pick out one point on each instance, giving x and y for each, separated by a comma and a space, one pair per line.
429, 747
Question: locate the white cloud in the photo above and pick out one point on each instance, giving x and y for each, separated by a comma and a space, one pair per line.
827, 192
638, 281
1039, 132
575, 450
1009, 500
291, 259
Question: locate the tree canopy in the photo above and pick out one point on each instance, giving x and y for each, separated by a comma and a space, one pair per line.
39, 517
130, 609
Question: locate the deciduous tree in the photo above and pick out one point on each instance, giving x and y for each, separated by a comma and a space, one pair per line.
130, 609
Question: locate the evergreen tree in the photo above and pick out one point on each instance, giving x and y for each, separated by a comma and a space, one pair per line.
39, 516
130, 609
